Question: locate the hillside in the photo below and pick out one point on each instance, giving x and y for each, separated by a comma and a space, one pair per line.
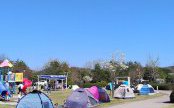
171, 68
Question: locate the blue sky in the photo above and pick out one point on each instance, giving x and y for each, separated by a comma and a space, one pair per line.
78, 31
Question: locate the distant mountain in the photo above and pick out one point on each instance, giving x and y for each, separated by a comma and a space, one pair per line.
171, 68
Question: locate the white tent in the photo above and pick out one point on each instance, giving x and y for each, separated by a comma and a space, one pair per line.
74, 87
139, 86
124, 92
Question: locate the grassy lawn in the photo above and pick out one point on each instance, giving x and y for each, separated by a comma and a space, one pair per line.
171, 106
60, 96
7, 106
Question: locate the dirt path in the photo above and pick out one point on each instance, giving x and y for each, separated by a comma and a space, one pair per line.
159, 102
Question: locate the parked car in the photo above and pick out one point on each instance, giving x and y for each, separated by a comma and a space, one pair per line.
41, 83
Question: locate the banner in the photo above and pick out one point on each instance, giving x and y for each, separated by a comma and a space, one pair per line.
19, 77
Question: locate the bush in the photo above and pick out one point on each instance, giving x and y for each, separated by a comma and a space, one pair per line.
100, 84
172, 97
163, 86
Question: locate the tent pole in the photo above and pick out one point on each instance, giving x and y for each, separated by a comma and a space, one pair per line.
128, 81
62, 84
66, 83
38, 82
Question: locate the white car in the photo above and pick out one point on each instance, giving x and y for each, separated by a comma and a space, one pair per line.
41, 83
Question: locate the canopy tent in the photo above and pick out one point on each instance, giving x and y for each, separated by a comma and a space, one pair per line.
54, 77
35, 99
124, 92
6, 63
81, 98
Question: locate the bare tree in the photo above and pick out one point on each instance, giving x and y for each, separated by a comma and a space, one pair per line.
152, 66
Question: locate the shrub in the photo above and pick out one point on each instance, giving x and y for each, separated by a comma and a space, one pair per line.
100, 84
163, 86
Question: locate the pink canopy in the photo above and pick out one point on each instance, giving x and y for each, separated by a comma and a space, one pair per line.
6, 63
94, 91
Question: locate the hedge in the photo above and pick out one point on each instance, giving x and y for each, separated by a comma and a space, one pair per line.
100, 84
163, 86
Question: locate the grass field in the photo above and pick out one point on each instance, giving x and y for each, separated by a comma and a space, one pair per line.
60, 96
171, 106
7, 106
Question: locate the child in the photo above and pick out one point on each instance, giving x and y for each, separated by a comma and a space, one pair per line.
7, 97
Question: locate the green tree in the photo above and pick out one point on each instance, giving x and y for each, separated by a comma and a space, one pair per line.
135, 71
77, 75
21, 66
151, 71
55, 67
100, 74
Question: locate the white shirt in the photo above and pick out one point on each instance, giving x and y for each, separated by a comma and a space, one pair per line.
21, 86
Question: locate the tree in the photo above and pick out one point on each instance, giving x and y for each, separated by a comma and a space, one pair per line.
77, 75
135, 71
21, 66
100, 74
55, 67
151, 71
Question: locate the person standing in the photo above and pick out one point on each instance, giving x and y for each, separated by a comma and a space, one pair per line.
7, 95
20, 87
49, 87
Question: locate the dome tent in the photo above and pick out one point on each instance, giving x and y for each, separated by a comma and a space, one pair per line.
103, 96
75, 87
35, 99
124, 92
3, 91
146, 89
99, 93
81, 98
94, 91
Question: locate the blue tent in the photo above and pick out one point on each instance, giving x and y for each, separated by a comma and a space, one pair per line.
3, 90
81, 98
35, 99
146, 90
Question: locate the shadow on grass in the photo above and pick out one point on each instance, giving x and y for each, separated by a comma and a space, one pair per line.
168, 102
